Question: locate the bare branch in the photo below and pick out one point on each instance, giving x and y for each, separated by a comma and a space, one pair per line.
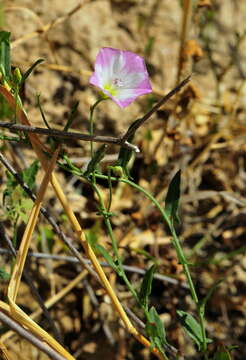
12, 324
67, 135
33, 288
132, 129
132, 269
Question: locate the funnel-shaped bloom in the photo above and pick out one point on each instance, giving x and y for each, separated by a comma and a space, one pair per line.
121, 75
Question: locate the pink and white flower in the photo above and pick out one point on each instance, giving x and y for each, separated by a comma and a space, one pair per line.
121, 75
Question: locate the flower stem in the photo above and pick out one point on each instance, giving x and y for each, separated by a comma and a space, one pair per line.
91, 127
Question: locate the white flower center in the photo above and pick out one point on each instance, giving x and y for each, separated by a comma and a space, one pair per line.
118, 82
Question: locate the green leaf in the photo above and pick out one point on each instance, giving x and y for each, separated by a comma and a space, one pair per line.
123, 160
125, 154
106, 256
5, 67
98, 156
23, 208
156, 331
3, 274
192, 328
222, 354
29, 174
91, 237
146, 287
42, 112
15, 198
172, 198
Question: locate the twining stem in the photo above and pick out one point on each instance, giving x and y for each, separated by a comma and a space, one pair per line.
177, 246
105, 214
91, 127
107, 286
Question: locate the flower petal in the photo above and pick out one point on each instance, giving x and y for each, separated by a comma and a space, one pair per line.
122, 75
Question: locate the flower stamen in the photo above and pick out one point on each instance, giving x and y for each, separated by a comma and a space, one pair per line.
118, 82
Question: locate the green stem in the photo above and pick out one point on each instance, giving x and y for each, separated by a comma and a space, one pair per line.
91, 127
110, 190
175, 242
113, 240
178, 248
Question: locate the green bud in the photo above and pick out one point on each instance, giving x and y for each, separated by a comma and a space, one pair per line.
17, 77
117, 171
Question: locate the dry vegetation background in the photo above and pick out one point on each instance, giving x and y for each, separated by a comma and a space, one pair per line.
201, 131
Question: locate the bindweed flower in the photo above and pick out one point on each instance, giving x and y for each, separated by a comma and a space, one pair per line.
121, 75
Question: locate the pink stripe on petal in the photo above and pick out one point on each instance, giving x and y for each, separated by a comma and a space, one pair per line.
105, 55
145, 85
94, 80
124, 103
134, 63
122, 73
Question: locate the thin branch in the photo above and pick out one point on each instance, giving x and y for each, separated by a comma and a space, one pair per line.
12, 324
186, 20
132, 129
33, 289
132, 269
67, 135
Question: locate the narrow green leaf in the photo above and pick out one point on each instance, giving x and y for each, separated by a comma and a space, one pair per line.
98, 156
222, 354
106, 256
146, 287
159, 325
125, 155
156, 331
5, 66
30, 70
42, 112
172, 198
191, 327
91, 237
